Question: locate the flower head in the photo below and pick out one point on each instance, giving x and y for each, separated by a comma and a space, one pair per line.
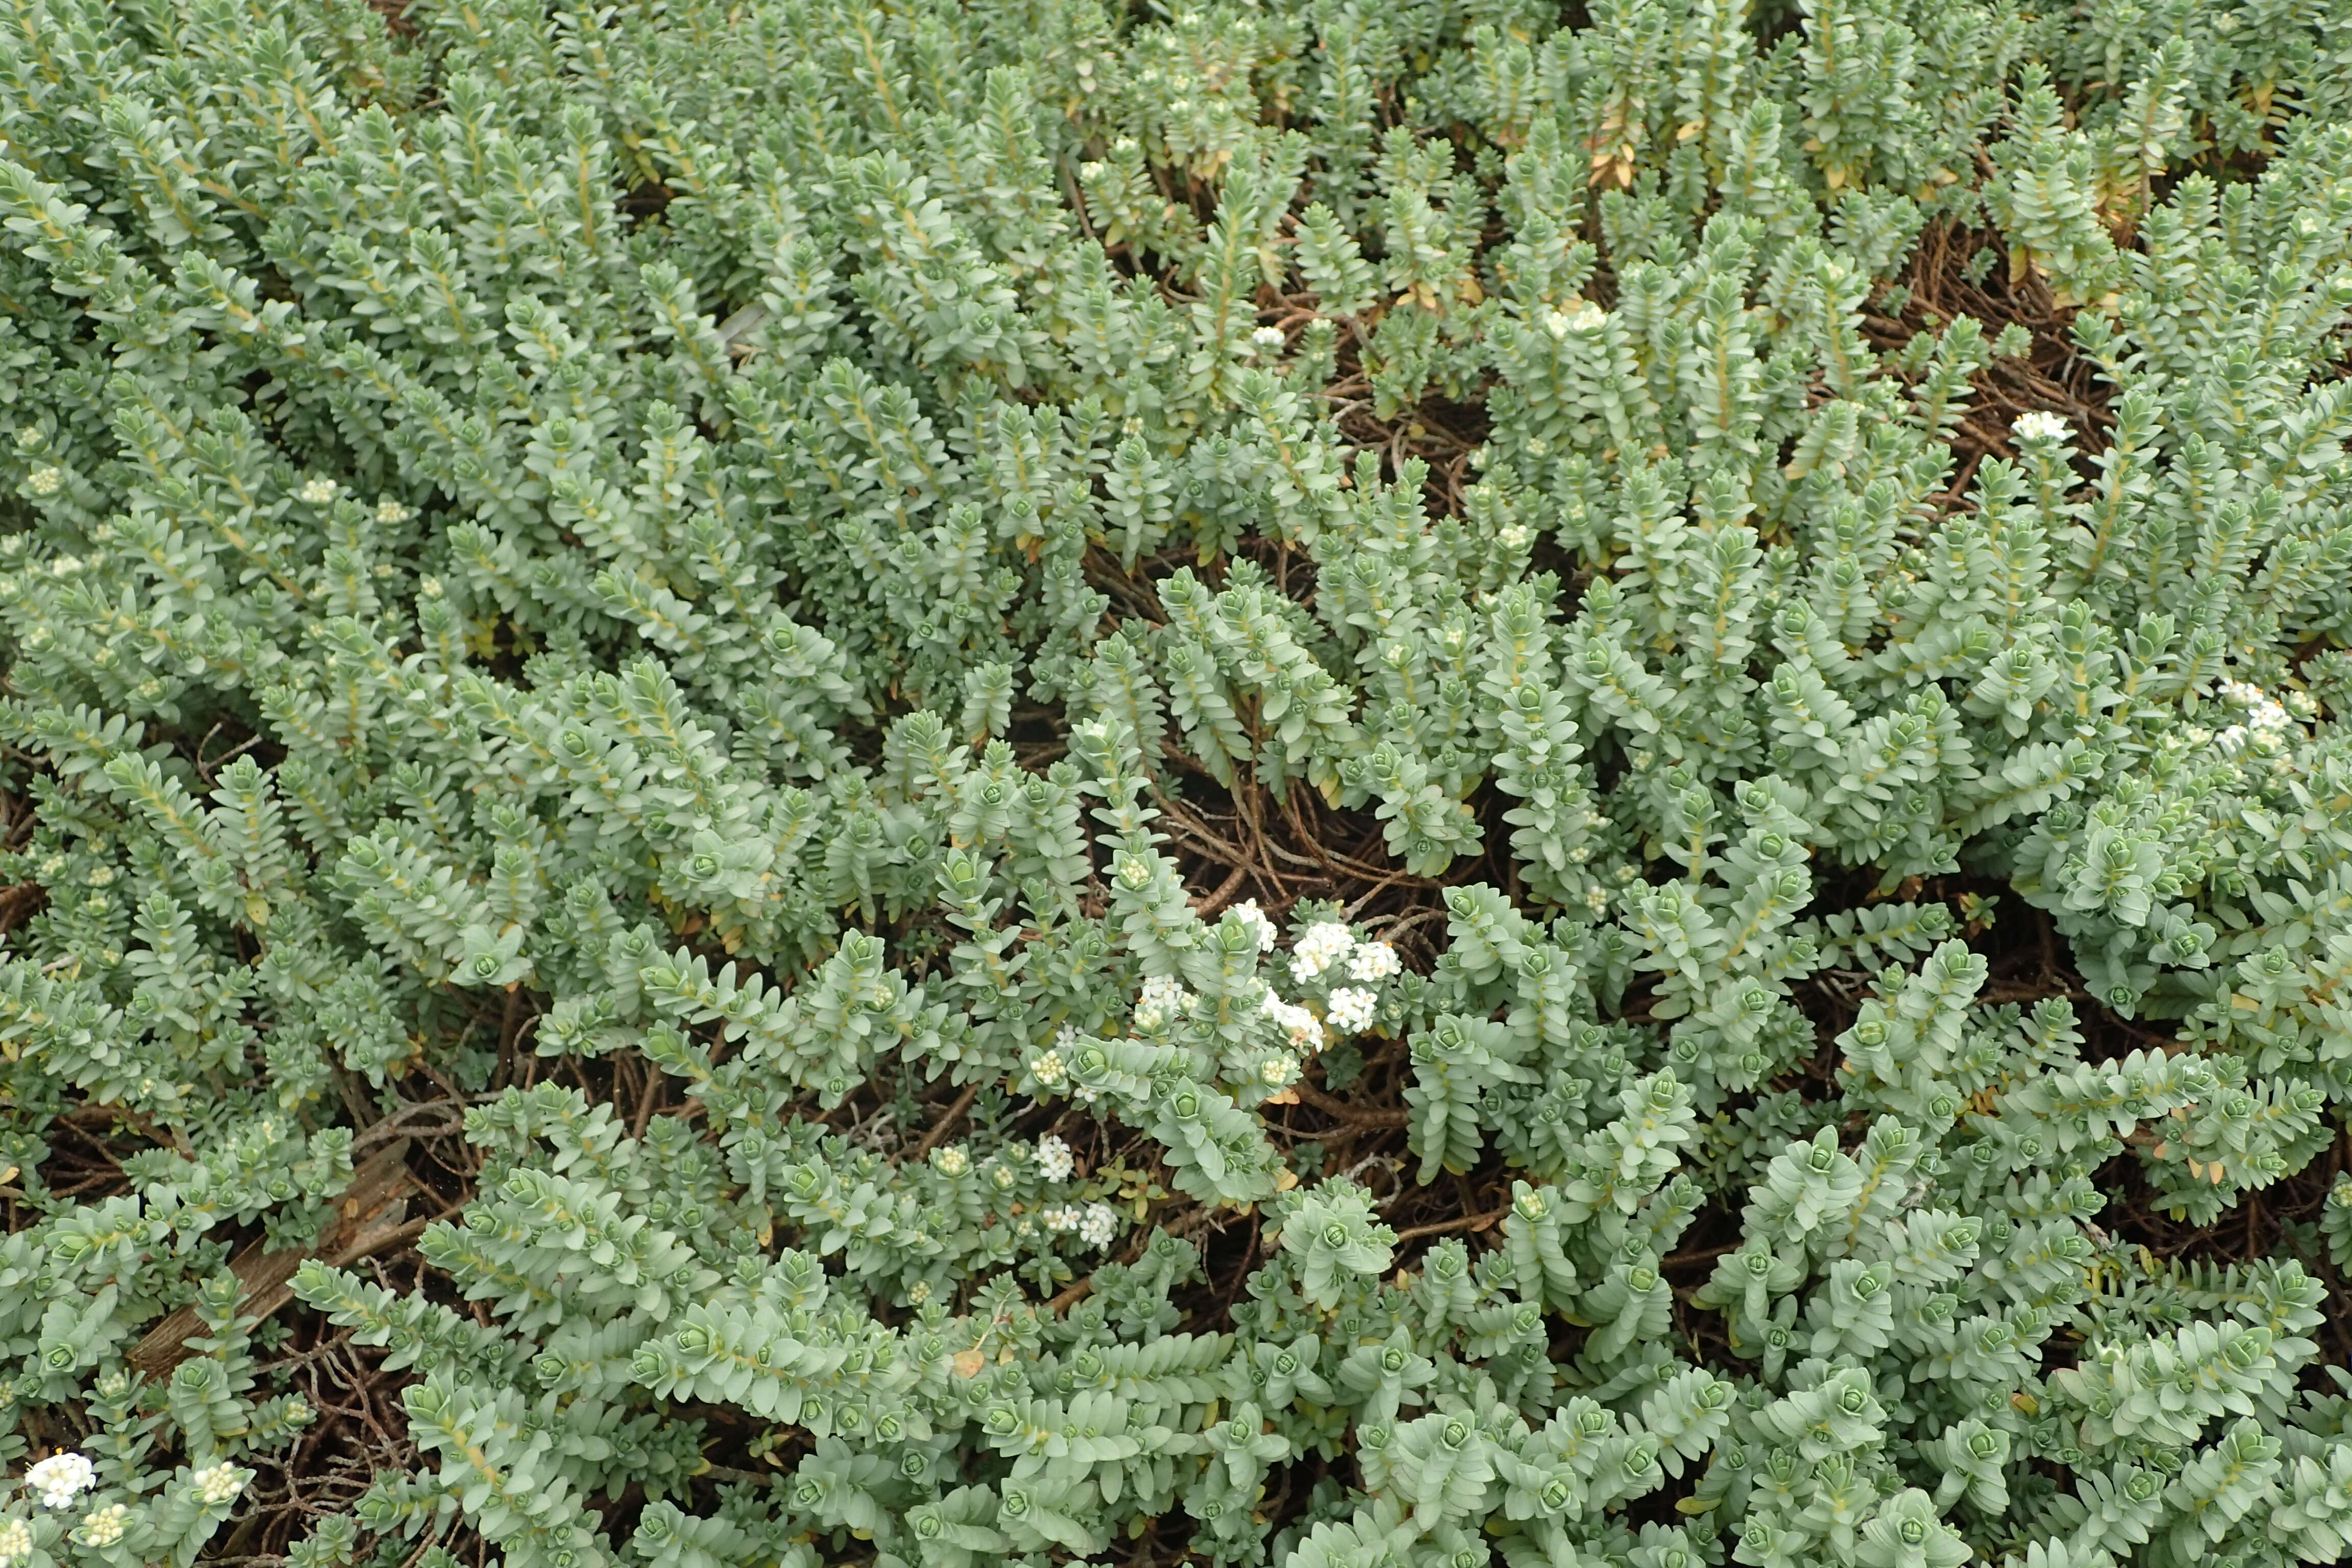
60, 1478
1372, 961
1319, 948
1304, 1029
47, 481
2040, 425
218, 1484
1098, 1225
1164, 999
319, 492
104, 1526
16, 1542
1054, 1161
1351, 1010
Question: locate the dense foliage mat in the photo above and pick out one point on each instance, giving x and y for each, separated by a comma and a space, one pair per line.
1318, 781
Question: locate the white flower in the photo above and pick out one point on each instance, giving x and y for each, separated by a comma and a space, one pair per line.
1596, 899
319, 492
1250, 915
16, 1542
1304, 1029
1054, 1160
1003, 1176
950, 1161
1060, 1218
1164, 999
1351, 1010
1047, 1069
1267, 339
60, 1478
1279, 1070
1322, 946
1583, 318
389, 511
1098, 1225
103, 1527
918, 1293
1373, 960
218, 1484
47, 481
2040, 425
2266, 721
1515, 536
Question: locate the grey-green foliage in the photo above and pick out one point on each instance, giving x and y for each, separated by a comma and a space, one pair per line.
699, 545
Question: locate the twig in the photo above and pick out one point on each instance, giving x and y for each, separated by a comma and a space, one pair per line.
1226, 891
1360, 1116
946, 1124
372, 1217
1460, 1222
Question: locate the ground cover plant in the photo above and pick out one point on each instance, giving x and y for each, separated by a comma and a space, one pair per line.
1322, 783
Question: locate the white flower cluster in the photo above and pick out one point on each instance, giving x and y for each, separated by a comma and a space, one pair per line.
2040, 425
1266, 339
16, 1542
218, 1484
1352, 1009
1164, 1000
951, 1160
390, 511
60, 1478
1250, 915
1329, 945
1584, 318
1054, 1161
319, 492
1319, 948
104, 1527
1051, 1067
47, 481
1094, 1223
1304, 1029
2266, 718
